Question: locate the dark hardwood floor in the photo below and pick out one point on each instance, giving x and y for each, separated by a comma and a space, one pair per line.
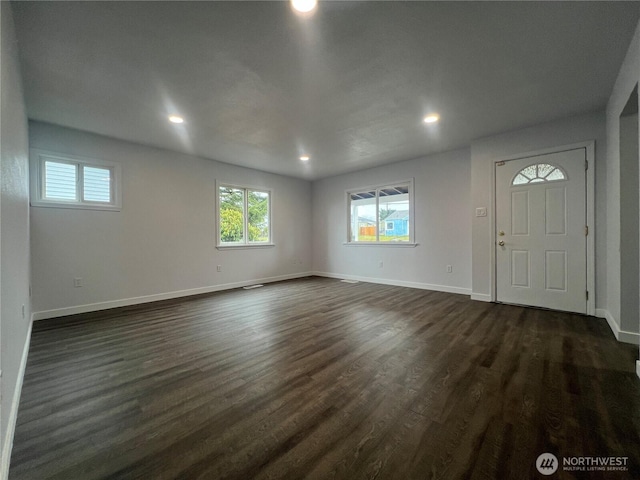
319, 379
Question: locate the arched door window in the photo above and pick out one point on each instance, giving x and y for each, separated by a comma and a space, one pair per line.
541, 172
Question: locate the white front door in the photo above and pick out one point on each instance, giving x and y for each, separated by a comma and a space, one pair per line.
541, 247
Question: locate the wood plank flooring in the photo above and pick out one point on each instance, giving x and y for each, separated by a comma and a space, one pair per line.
318, 379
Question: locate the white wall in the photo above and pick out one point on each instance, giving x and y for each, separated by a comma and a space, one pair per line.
162, 243
14, 235
628, 78
485, 152
442, 228
629, 219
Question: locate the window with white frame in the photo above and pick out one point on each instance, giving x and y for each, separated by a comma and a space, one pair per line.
244, 216
74, 182
542, 172
381, 214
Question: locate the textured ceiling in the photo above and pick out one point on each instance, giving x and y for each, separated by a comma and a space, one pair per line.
259, 86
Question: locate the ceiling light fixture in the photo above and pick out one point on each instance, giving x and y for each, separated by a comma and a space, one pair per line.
431, 118
305, 158
304, 6
176, 119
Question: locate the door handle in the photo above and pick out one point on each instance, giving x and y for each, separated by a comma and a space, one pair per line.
501, 243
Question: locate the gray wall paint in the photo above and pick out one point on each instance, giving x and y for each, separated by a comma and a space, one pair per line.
627, 80
486, 151
442, 230
164, 238
629, 218
14, 223
445, 185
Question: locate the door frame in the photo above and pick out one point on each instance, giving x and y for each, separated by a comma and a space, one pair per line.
589, 147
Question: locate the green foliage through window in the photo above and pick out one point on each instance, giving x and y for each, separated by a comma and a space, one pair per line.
234, 223
258, 207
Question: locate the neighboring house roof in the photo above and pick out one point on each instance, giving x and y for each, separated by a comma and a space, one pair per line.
399, 215
368, 221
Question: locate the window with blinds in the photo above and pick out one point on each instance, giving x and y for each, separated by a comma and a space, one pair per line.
60, 180
75, 183
96, 185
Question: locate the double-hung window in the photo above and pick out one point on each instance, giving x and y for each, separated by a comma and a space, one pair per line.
73, 182
244, 216
381, 214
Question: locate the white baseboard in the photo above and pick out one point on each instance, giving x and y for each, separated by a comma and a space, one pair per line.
621, 335
397, 283
13, 414
125, 302
481, 297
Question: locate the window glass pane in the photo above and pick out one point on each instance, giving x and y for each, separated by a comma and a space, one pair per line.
231, 215
380, 215
97, 184
529, 172
542, 172
393, 213
556, 175
520, 180
60, 181
362, 208
258, 220
544, 169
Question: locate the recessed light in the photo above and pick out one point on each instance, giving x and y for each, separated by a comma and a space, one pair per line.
305, 158
304, 6
431, 118
176, 119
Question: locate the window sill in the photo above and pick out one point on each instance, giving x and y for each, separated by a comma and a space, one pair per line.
245, 246
76, 206
381, 244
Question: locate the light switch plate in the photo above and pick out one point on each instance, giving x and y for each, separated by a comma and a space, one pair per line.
481, 212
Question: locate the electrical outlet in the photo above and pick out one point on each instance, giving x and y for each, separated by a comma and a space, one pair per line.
77, 282
380, 264
449, 269
219, 268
